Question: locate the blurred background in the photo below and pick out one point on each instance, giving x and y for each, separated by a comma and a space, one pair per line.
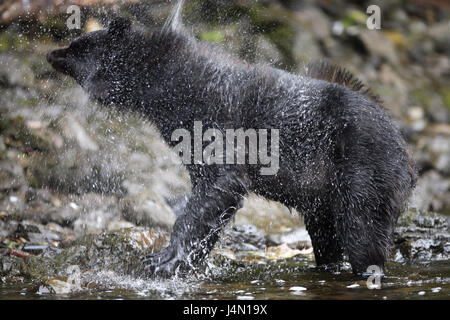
69, 167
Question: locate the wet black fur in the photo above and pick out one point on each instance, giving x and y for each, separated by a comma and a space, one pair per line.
343, 163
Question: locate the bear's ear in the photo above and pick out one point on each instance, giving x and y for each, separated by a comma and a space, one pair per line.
118, 26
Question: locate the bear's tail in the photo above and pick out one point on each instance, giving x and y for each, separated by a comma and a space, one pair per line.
324, 70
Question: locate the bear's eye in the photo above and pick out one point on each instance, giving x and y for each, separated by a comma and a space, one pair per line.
79, 48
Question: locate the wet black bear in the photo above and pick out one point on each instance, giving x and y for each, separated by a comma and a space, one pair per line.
342, 162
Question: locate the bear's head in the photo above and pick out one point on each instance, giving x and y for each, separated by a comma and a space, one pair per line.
103, 61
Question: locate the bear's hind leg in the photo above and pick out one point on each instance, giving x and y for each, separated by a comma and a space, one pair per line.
365, 222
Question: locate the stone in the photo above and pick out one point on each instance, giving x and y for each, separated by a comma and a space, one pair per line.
147, 209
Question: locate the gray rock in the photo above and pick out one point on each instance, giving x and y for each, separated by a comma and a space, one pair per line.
2, 148
267, 52
74, 131
298, 238
422, 236
15, 72
96, 212
306, 47
119, 252
93, 222
440, 150
36, 233
118, 225
439, 32
244, 237
431, 193
315, 21
11, 176
147, 209
437, 110
379, 45
268, 216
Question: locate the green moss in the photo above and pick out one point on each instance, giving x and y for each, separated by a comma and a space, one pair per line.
446, 97
275, 24
24, 138
354, 17
422, 96
27, 102
212, 36
10, 42
283, 38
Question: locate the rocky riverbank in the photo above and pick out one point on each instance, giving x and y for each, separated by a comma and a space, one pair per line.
93, 188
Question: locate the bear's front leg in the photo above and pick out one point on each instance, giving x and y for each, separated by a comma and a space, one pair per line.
212, 204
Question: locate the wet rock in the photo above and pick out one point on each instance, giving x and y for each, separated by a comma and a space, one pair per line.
15, 72
118, 225
8, 227
63, 216
437, 110
315, 21
305, 47
90, 211
38, 197
120, 251
2, 148
439, 33
28, 135
431, 193
3, 232
393, 89
35, 249
57, 286
281, 252
11, 176
95, 213
147, 209
24, 228
422, 236
93, 222
9, 266
12, 202
75, 132
267, 52
244, 237
379, 45
268, 216
416, 119
298, 238
54, 227
439, 147
36, 233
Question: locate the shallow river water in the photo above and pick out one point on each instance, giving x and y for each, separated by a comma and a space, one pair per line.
295, 278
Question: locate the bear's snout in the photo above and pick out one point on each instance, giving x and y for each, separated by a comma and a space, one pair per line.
57, 58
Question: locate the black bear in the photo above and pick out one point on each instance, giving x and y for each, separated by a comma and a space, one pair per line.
342, 162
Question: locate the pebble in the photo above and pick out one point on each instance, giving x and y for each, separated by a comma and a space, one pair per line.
297, 289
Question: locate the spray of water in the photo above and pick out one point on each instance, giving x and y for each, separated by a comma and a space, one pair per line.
174, 21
